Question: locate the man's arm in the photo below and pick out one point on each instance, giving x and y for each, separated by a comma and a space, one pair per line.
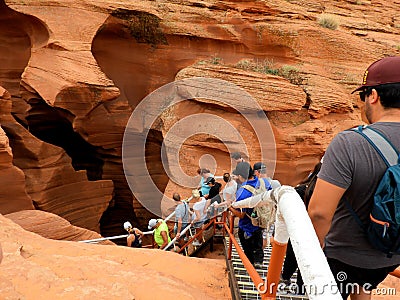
165, 239
179, 227
138, 231
240, 195
208, 202
237, 213
197, 216
323, 204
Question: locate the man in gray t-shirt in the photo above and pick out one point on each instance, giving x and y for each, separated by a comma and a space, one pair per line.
182, 215
351, 170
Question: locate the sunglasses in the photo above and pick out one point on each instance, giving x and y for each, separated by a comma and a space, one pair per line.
362, 95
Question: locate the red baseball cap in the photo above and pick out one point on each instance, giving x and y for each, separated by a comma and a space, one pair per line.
383, 71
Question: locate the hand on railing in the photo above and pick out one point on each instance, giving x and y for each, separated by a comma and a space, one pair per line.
277, 192
270, 197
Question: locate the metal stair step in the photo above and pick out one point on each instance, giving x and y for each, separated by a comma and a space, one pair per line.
244, 283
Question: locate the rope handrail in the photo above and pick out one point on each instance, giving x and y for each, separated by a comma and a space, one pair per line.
94, 241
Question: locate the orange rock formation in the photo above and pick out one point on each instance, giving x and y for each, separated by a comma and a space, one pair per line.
37, 268
53, 227
72, 73
76, 71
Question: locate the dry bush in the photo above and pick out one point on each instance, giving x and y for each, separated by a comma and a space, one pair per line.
328, 21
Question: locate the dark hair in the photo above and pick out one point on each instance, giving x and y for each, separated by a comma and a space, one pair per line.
244, 169
211, 180
176, 197
261, 171
389, 94
251, 173
202, 171
236, 155
226, 177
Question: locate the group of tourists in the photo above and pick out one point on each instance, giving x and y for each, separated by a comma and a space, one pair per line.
352, 194
208, 201
338, 194
342, 191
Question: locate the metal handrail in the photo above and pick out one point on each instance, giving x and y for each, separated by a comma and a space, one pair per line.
396, 273
212, 221
95, 241
255, 277
175, 238
292, 221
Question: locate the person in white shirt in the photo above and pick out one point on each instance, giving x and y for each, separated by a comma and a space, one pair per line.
199, 215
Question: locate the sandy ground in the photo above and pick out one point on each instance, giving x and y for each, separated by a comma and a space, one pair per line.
37, 268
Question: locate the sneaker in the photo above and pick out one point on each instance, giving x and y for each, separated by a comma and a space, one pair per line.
196, 243
258, 265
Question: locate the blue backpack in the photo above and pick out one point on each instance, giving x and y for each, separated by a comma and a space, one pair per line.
383, 229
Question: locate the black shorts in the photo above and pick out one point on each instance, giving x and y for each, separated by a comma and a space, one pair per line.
347, 276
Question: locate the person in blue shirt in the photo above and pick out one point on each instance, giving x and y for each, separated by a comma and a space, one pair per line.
203, 186
250, 236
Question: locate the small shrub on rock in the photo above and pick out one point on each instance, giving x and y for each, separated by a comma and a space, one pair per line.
328, 21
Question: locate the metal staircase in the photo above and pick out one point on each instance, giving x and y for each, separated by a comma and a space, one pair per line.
242, 283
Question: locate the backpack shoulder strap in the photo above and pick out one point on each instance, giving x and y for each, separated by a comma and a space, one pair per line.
355, 216
250, 188
185, 204
380, 143
262, 184
385, 149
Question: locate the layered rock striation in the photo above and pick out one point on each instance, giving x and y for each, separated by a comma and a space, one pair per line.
51, 226
76, 72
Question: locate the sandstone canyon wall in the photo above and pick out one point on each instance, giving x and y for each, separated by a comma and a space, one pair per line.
75, 72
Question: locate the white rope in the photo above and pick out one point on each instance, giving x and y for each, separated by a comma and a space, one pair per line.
94, 241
